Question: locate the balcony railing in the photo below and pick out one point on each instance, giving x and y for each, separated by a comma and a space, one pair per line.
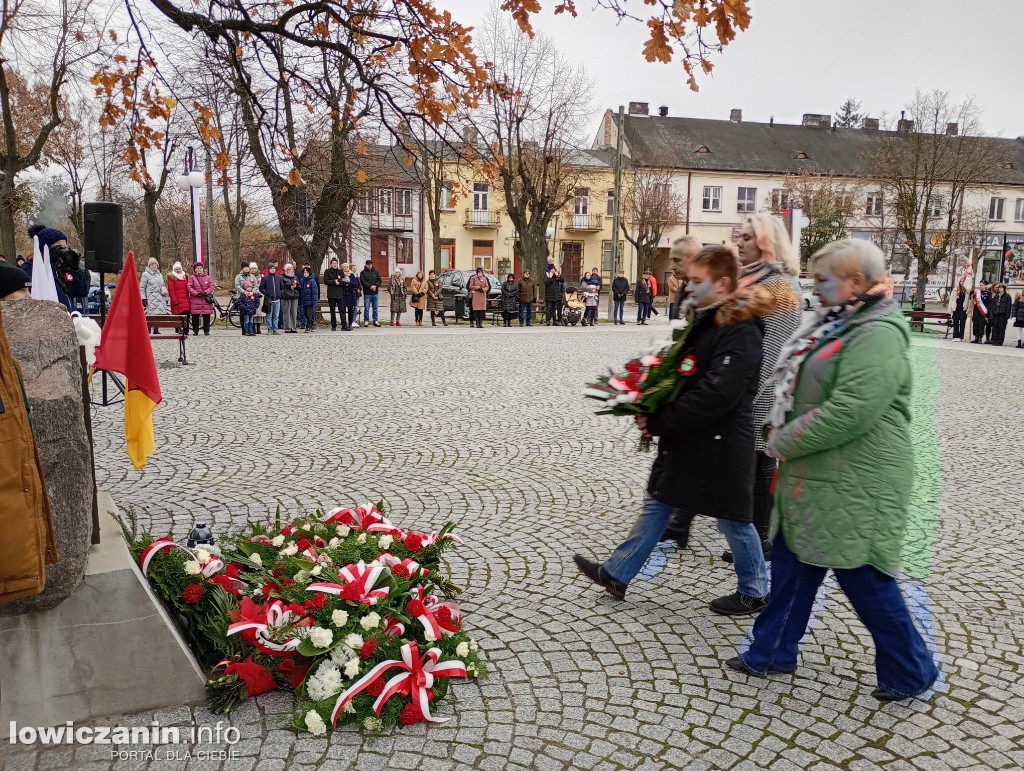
482, 218
584, 222
398, 223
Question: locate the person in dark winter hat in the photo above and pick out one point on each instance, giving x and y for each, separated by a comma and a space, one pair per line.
50, 237
14, 283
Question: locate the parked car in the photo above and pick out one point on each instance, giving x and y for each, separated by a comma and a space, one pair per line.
807, 293
455, 283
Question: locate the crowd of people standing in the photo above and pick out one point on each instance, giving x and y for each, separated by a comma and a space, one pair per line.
990, 309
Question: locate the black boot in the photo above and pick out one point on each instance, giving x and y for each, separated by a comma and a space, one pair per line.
597, 574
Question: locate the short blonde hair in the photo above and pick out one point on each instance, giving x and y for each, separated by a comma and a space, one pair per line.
848, 254
772, 239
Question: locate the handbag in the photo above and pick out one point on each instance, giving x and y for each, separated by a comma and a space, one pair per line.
417, 296
266, 305
209, 297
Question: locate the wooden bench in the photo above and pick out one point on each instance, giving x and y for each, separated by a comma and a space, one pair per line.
936, 318
494, 310
178, 323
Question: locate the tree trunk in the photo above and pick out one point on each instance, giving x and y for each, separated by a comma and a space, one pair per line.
236, 244
435, 244
150, 199
534, 245
922, 283
8, 243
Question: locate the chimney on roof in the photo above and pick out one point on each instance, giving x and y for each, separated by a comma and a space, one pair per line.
952, 129
904, 126
638, 108
663, 111
817, 120
870, 124
736, 116
771, 121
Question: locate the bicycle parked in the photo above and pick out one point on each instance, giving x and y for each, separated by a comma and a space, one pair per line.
231, 314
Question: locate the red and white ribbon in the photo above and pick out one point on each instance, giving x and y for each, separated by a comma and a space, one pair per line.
366, 517
430, 540
416, 678
426, 608
393, 626
277, 614
209, 568
410, 566
363, 578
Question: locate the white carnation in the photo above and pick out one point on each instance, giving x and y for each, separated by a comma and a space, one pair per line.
256, 559
352, 668
473, 645
315, 724
428, 635
385, 541
361, 538
320, 637
354, 641
462, 649
370, 621
202, 555
339, 618
277, 540
316, 571
192, 568
334, 542
373, 724
343, 530
289, 550
257, 592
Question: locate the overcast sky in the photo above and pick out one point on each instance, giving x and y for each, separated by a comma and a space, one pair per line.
802, 56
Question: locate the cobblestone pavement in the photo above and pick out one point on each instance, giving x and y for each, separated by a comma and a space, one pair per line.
488, 428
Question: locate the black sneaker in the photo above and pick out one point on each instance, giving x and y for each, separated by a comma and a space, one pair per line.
737, 604
884, 696
737, 663
727, 557
597, 574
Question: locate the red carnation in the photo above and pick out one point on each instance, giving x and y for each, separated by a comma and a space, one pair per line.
400, 570
303, 544
275, 573
287, 582
268, 588
368, 648
414, 542
410, 714
225, 582
376, 688
287, 529
192, 593
232, 570
443, 614
317, 602
352, 593
416, 608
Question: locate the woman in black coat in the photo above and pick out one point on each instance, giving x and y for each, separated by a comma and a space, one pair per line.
554, 296
999, 313
1018, 318
705, 462
509, 300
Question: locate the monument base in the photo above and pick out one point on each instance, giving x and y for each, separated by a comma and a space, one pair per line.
109, 649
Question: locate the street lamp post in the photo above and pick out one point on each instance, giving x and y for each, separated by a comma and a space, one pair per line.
190, 181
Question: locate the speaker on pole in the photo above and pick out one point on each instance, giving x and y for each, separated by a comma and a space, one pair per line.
104, 228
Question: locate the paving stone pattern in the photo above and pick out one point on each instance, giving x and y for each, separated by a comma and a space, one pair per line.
488, 428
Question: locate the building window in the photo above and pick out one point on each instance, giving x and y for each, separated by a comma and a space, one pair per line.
403, 251
780, 199
874, 205
712, 198
446, 195
384, 200
581, 201
608, 258
935, 207
745, 199
403, 202
1018, 210
483, 254
365, 202
480, 196
995, 208
609, 207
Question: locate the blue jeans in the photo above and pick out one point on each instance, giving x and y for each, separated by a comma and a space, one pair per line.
618, 307
902, 661
369, 300
671, 311
528, 309
748, 559
274, 316
247, 322
643, 310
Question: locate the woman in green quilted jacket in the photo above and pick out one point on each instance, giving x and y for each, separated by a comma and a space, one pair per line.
840, 427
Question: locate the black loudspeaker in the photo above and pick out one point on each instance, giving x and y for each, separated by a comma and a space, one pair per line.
104, 236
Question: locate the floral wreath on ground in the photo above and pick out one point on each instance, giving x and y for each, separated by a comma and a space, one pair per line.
342, 608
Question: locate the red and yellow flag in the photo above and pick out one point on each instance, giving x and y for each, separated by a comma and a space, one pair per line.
125, 348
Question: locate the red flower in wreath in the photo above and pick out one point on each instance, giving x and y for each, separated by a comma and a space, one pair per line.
369, 647
415, 608
414, 542
688, 366
224, 582
410, 714
233, 569
303, 544
376, 688
316, 603
192, 593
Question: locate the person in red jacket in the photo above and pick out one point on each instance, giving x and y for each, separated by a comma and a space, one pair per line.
177, 290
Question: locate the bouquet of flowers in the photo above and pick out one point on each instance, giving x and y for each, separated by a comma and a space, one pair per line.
346, 609
646, 383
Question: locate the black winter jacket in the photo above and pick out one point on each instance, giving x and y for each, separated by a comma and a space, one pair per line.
644, 292
1018, 312
332, 280
620, 288
554, 289
369, 277
272, 286
1000, 305
706, 457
